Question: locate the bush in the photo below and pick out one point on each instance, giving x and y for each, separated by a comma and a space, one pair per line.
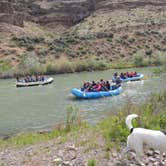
131, 40
51, 68
27, 40
148, 52
138, 61
72, 118
92, 162
104, 35
4, 65
114, 127
90, 65
30, 48
60, 67
157, 70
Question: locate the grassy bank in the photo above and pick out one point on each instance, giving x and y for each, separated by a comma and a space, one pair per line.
65, 66
112, 129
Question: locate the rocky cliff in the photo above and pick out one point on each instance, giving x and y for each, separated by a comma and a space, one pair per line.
66, 12
46, 12
9, 14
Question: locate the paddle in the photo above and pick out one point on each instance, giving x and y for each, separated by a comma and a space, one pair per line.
84, 93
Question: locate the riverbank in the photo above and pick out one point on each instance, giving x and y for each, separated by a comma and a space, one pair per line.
77, 143
65, 66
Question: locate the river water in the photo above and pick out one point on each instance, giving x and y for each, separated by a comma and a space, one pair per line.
35, 108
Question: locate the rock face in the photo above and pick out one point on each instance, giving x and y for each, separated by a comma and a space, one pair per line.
8, 14
127, 4
65, 12
62, 11
45, 12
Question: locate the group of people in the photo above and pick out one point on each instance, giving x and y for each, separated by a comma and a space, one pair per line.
99, 86
33, 78
125, 75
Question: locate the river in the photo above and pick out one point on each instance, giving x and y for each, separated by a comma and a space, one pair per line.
36, 108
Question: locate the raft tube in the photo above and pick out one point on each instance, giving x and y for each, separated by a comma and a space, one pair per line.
138, 77
36, 83
93, 95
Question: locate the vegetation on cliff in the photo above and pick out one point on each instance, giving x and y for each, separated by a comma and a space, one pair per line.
112, 36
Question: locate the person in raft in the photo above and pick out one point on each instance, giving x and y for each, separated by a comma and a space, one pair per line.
96, 87
130, 74
122, 75
118, 81
18, 79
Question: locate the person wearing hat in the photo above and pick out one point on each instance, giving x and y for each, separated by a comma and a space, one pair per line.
118, 81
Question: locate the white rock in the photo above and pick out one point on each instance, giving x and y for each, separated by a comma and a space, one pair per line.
151, 159
57, 160
114, 154
157, 152
66, 163
149, 153
72, 147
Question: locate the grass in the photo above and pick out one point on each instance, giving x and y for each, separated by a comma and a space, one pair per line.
31, 65
92, 162
160, 69
114, 127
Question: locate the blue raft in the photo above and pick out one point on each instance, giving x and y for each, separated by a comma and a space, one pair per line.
136, 78
94, 95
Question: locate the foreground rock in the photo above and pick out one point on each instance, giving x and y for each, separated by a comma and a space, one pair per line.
72, 153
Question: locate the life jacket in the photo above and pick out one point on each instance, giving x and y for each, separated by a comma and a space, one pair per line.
98, 88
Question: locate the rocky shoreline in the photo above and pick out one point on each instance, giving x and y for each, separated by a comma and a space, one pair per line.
71, 153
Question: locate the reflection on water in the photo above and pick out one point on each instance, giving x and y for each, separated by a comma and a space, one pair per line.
34, 108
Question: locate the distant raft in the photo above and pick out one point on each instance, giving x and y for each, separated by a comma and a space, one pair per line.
35, 83
138, 77
94, 95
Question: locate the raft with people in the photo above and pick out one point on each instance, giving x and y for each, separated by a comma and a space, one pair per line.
93, 95
96, 90
30, 81
128, 76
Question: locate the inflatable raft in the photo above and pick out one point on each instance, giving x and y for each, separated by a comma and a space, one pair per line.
136, 78
36, 83
93, 95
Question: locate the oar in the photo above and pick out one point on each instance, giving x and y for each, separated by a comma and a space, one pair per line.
84, 94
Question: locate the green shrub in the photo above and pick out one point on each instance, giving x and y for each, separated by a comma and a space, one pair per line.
72, 54
25, 41
51, 68
4, 65
30, 48
159, 58
109, 40
120, 64
162, 121
149, 52
114, 127
72, 118
159, 70
105, 35
131, 40
138, 61
92, 162
42, 52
